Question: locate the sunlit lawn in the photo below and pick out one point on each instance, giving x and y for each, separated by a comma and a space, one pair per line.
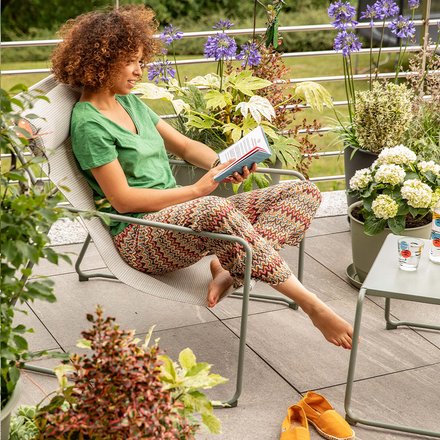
300, 68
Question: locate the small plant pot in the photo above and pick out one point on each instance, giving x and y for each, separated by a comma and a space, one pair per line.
7, 410
366, 247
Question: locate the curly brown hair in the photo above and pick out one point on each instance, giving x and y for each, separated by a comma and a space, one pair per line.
96, 44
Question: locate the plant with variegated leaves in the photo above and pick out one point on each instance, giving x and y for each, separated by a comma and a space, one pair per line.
124, 390
220, 113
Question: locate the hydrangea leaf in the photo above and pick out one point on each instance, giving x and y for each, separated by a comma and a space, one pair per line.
373, 225
397, 224
314, 94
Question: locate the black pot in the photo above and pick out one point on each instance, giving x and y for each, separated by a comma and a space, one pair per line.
353, 161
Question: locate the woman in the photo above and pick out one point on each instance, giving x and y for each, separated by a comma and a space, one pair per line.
121, 146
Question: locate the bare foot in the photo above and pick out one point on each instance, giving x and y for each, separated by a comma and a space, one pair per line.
221, 282
335, 329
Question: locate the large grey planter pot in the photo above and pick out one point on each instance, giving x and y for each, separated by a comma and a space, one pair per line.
365, 247
353, 162
188, 174
7, 410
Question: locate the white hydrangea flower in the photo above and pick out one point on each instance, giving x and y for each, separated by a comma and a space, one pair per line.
429, 166
361, 179
398, 155
418, 194
390, 173
435, 197
384, 207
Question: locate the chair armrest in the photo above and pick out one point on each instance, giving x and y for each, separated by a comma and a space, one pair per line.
259, 169
183, 229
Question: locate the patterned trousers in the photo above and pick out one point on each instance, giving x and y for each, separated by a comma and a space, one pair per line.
267, 219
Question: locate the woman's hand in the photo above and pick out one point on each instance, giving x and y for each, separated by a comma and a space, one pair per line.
238, 178
206, 185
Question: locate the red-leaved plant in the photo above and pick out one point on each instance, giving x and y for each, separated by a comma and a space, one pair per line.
117, 392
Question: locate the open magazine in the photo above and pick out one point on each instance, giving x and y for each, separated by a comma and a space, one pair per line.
250, 149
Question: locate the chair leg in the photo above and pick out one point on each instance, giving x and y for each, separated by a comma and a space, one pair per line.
83, 276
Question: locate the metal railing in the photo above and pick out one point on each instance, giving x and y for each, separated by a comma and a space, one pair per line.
425, 23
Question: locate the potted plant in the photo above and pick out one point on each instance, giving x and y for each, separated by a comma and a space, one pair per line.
219, 109
27, 213
124, 389
379, 116
397, 194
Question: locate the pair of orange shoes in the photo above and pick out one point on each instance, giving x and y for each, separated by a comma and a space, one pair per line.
315, 409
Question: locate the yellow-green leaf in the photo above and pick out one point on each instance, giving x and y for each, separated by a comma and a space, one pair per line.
187, 359
212, 423
314, 94
217, 99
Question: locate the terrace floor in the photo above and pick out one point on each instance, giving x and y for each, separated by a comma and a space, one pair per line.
398, 371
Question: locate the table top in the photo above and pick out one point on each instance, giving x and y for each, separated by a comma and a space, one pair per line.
385, 278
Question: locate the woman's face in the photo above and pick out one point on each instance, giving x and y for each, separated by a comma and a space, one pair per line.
128, 75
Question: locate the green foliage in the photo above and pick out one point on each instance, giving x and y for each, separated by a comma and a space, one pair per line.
184, 380
397, 191
27, 212
124, 390
382, 115
23, 425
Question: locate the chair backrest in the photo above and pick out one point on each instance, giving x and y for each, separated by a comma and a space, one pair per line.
186, 285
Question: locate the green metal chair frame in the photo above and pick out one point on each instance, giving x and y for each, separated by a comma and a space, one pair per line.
57, 143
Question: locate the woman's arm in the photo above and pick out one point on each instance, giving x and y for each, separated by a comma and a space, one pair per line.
125, 199
191, 151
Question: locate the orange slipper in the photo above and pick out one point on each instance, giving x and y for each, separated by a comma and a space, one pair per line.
324, 418
295, 426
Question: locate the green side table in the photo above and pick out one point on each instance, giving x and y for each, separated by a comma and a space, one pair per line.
386, 280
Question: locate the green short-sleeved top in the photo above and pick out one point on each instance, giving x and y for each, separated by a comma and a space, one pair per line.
96, 141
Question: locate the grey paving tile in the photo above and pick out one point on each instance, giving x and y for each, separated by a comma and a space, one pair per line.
406, 398
92, 260
35, 386
133, 309
415, 312
265, 398
40, 338
293, 347
333, 251
328, 225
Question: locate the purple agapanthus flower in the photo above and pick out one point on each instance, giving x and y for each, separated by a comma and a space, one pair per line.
371, 13
222, 25
161, 71
170, 34
413, 4
220, 47
403, 27
249, 54
343, 14
386, 8
347, 42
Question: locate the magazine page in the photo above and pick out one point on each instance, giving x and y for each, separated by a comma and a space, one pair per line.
256, 138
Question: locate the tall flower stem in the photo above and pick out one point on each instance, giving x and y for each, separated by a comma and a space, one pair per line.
380, 49
175, 64
399, 61
371, 56
347, 88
